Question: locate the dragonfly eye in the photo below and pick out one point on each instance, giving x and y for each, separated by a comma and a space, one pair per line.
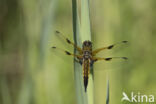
87, 43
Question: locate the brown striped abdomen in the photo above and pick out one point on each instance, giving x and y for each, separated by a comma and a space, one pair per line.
86, 71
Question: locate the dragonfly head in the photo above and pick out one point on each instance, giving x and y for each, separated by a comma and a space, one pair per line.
87, 45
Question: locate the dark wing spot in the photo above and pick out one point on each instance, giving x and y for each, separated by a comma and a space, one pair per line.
125, 58
57, 32
67, 53
53, 47
68, 41
108, 59
110, 47
124, 41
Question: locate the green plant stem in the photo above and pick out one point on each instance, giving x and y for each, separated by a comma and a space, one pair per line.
82, 32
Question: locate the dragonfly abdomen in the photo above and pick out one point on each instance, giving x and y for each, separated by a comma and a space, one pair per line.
86, 71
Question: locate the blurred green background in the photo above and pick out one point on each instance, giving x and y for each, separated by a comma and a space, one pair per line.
32, 73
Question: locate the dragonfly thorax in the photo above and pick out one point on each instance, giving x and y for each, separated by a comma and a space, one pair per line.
87, 54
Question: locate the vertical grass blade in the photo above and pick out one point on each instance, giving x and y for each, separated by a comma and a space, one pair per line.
86, 35
85, 21
77, 67
82, 32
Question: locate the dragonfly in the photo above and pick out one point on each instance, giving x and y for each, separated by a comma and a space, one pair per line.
86, 56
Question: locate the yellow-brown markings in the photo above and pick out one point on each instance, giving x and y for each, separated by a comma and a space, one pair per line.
86, 56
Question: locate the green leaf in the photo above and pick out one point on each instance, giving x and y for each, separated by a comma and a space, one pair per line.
82, 32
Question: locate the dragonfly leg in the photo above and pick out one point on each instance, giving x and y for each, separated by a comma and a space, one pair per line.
78, 61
